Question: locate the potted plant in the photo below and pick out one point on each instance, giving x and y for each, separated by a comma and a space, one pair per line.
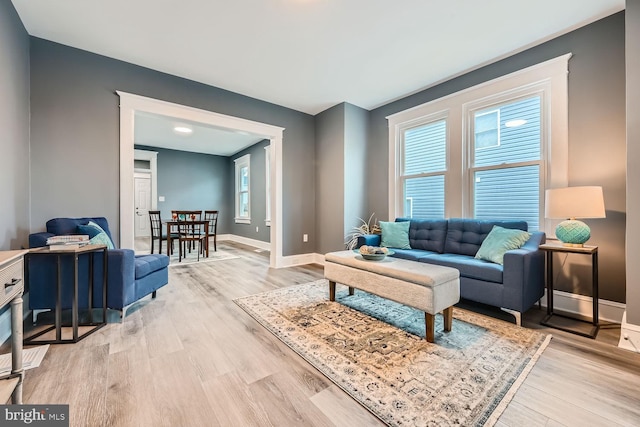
364, 228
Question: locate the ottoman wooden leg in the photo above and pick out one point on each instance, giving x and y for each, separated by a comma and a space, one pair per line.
350, 290
429, 320
447, 313
332, 291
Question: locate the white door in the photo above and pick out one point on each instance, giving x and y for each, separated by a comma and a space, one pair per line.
142, 192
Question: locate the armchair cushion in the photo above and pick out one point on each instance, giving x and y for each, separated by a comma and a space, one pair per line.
147, 264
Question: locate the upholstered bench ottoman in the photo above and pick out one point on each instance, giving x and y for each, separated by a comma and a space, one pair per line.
426, 287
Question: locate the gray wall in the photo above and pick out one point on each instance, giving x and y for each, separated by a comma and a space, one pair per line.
75, 120
596, 139
14, 122
356, 136
257, 194
341, 155
192, 181
330, 184
633, 160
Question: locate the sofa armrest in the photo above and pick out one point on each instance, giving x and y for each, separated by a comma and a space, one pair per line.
369, 240
37, 240
121, 275
523, 274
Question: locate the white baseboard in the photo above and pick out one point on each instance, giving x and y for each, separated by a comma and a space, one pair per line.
608, 311
245, 241
629, 335
301, 259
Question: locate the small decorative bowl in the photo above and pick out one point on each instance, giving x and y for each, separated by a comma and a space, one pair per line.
373, 257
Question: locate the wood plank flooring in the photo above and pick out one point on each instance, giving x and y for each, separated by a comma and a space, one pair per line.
191, 357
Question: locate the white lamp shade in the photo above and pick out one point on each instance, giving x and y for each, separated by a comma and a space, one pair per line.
574, 202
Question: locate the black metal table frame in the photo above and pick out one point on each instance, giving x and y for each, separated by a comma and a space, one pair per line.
32, 340
594, 279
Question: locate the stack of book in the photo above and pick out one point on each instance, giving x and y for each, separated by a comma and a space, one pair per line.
69, 243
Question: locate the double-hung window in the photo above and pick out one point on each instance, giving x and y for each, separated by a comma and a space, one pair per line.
243, 195
424, 165
506, 160
267, 156
486, 152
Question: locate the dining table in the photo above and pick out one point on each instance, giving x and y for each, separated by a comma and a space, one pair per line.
174, 223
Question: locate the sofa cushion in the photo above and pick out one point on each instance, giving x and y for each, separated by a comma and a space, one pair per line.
411, 254
395, 234
465, 236
147, 264
499, 241
427, 234
468, 267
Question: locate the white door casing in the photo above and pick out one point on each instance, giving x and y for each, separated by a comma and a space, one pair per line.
142, 202
130, 103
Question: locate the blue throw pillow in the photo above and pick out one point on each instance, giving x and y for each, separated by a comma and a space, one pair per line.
500, 240
395, 234
97, 236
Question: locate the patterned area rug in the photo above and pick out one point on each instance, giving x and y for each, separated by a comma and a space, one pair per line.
376, 352
191, 258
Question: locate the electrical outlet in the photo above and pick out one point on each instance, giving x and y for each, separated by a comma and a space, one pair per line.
305, 238
256, 229
161, 198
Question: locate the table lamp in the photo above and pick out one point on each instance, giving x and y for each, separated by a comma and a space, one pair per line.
572, 203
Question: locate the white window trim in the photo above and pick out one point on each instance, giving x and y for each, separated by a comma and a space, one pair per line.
241, 162
555, 147
267, 161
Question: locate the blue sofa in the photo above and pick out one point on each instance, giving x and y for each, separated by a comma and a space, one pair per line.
514, 287
129, 277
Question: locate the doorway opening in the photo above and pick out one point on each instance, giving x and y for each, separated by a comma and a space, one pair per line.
130, 104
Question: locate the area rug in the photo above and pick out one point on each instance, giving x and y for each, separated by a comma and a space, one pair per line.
192, 257
374, 349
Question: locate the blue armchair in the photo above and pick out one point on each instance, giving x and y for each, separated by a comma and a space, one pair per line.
129, 277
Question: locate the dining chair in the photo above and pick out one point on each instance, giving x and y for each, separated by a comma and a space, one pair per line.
188, 215
212, 217
190, 232
155, 219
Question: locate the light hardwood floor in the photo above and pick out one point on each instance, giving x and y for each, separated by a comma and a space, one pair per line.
192, 357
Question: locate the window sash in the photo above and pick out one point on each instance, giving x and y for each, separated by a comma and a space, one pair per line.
243, 189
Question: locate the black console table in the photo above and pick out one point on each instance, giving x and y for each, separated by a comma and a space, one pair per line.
550, 248
62, 255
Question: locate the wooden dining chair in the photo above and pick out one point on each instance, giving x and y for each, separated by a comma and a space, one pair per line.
188, 215
212, 217
190, 233
155, 220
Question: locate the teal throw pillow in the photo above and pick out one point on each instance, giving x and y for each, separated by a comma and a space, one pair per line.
97, 236
499, 241
395, 234
89, 230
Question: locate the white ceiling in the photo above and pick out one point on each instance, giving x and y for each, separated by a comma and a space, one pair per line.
309, 55
158, 131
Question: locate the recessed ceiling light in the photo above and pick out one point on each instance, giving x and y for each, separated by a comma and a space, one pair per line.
515, 123
183, 129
